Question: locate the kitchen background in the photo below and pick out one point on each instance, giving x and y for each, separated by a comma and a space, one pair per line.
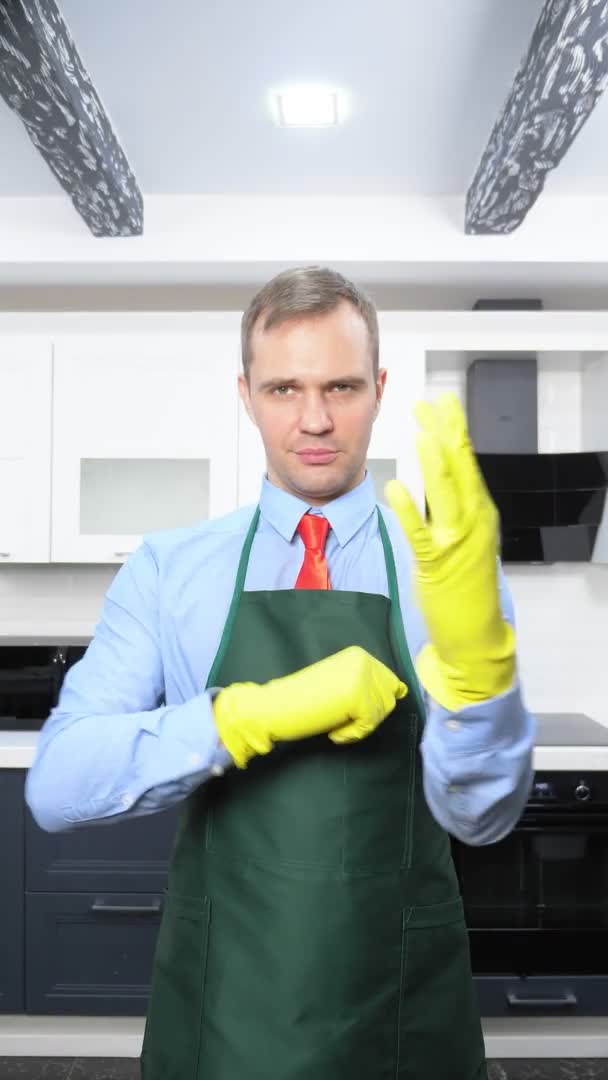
150, 182
561, 606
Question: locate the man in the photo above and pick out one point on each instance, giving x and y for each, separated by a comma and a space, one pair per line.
313, 928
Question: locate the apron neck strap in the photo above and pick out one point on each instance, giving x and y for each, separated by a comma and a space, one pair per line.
236, 596
396, 620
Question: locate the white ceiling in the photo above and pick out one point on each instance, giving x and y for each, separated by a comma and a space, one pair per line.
186, 84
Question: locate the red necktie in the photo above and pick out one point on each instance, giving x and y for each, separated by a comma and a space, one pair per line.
314, 573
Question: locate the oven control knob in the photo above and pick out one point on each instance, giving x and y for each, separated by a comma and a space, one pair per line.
582, 791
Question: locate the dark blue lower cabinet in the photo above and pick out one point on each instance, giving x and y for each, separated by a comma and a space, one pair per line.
11, 891
130, 856
90, 954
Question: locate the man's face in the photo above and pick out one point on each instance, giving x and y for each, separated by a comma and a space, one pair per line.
313, 396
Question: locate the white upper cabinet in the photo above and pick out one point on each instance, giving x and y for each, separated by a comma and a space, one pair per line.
118, 431
25, 449
251, 460
145, 437
392, 450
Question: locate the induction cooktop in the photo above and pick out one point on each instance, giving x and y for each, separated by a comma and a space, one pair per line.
569, 729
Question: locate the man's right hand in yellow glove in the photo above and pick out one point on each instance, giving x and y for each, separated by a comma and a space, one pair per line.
346, 695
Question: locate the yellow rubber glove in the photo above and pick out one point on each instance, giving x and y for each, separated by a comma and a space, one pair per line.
471, 654
346, 695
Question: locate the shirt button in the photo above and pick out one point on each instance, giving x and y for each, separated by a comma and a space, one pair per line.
453, 725
126, 800
217, 770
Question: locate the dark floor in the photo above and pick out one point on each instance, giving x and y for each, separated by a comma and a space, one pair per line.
128, 1069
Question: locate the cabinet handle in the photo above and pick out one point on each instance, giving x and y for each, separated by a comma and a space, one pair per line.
566, 1000
98, 906
121, 554
5, 554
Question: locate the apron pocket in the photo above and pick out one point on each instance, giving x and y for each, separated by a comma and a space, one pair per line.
172, 1038
440, 1035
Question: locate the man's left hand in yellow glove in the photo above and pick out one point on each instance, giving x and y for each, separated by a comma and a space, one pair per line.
471, 653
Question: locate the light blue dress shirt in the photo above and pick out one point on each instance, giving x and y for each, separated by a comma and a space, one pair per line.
133, 731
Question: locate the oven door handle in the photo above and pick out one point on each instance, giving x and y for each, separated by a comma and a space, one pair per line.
567, 1000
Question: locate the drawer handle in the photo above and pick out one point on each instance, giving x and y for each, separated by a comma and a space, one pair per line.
560, 1001
126, 909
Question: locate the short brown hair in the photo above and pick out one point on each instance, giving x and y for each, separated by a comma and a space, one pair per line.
306, 290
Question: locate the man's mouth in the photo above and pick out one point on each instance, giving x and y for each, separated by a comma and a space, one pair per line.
311, 456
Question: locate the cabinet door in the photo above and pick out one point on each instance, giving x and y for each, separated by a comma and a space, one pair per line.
127, 856
25, 449
392, 449
90, 953
11, 892
145, 437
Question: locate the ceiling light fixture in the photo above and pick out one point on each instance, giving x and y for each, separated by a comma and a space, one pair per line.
307, 105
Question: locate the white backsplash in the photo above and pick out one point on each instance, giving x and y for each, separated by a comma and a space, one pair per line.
61, 600
562, 623
562, 630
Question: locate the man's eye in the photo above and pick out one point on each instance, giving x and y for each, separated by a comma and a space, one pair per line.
342, 386
280, 391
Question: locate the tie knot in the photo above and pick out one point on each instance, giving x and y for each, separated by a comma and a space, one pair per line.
313, 529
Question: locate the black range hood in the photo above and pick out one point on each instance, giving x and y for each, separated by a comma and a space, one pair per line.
552, 506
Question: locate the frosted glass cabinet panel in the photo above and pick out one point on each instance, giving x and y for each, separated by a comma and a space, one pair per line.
145, 437
25, 449
121, 495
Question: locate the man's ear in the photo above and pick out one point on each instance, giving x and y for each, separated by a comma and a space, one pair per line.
380, 385
246, 398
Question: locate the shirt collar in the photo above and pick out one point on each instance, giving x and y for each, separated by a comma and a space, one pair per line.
346, 514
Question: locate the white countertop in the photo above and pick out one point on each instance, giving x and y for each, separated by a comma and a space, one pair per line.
17, 749
17, 752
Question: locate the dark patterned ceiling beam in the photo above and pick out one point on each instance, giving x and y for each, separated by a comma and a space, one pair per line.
555, 89
44, 80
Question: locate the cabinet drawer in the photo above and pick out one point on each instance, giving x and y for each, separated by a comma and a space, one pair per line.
126, 856
90, 953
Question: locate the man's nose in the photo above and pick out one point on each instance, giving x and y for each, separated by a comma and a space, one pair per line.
315, 417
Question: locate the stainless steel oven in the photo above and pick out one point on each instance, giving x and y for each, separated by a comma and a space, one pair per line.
537, 901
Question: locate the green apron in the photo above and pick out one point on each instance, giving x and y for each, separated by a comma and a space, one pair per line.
313, 928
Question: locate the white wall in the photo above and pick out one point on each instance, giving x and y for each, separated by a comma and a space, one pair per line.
562, 632
594, 427
221, 237
62, 602
559, 388
594, 402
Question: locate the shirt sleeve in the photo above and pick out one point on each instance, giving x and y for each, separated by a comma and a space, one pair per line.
477, 762
109, 747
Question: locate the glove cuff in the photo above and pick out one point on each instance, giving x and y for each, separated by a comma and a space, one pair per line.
236, 729
473, 679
